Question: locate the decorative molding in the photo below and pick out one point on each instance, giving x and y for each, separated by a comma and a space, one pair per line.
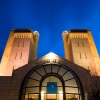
76, 35
23, 35
49, 61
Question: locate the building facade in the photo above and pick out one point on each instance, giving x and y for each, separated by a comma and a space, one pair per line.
80, 48
21, 47
23, 77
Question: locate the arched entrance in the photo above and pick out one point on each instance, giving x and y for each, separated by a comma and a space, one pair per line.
51, 88
51, 82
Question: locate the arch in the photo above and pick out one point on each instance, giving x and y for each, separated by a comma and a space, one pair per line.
32, 83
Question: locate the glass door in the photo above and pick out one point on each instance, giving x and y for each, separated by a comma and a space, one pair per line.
52, 96
33, 97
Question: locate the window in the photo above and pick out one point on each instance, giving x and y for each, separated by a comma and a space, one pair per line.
85, 56
16, 56
51, 82
77, 44
21, 55
82, 44
80, 56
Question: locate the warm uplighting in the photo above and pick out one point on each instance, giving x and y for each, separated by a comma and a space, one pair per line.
61, 94
32, 97
42, 93
51, 55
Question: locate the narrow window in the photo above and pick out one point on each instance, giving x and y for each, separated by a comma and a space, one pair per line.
16, 56
80, 56
21, 56
85, 56
88, 68
23, 44
13, 68
83, 44
78, 44
18, 44
11, 44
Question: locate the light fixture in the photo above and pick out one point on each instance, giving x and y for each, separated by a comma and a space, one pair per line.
51, 55
42, 93
61, 94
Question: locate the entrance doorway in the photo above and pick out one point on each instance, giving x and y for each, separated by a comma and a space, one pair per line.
51, 89
53, 97
51, 82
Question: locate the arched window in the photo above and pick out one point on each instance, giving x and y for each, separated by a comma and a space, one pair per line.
51, 81
51, 88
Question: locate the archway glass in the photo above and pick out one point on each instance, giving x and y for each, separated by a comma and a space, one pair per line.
51, 82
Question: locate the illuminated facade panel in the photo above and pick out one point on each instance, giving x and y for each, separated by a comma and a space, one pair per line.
23, 77
80, 48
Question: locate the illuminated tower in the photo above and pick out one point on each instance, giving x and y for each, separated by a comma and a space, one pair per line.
20, 49
80, 48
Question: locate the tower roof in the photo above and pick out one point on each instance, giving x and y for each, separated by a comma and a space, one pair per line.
79, 30
21, 30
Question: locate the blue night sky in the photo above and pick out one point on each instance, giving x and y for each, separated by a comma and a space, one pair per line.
50, 18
